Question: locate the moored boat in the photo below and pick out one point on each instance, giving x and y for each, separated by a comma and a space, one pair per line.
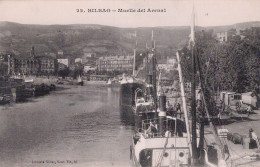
22, 93
4, 100
160, 141
128, 86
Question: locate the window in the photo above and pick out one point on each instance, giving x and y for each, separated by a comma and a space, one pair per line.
237, 97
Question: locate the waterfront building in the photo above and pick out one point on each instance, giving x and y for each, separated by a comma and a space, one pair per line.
32, 64
64, 61
115, 63
89, 68
89, 55
48, 64
89, 58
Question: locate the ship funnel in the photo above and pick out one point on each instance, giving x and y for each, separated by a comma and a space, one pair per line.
162, 113
162, 102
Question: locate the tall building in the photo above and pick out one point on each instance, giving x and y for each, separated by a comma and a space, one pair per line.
48, 65
115, 63
31, 65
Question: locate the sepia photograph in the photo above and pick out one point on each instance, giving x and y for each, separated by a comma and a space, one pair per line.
129, 83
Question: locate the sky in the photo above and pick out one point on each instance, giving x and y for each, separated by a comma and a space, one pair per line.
177, 12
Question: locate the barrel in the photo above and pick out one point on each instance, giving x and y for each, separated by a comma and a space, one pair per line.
237, 138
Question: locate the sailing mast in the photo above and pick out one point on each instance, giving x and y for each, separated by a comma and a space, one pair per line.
195, 156
195, 60
134, 55
146, 63
154, 76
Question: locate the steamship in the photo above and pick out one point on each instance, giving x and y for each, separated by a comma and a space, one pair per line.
128, 86
159, 139
164, 140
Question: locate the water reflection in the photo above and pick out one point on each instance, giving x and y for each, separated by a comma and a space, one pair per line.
80, 123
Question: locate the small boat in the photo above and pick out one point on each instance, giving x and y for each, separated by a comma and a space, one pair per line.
27, 80
4, 100
52, 87
22, 93
109, 82
40, 90
59, 81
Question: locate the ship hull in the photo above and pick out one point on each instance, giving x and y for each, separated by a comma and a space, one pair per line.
127, 101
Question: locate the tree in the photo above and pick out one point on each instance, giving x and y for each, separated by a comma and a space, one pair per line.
233, 65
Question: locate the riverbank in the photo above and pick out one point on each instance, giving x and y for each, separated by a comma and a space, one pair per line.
94, 82
45, 80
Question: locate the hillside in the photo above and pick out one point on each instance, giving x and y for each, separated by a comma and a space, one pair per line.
239, 26
77, 39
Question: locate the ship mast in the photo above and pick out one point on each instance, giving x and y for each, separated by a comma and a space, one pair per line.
195, 156
146, 59
220, 146
154, 76
134, 64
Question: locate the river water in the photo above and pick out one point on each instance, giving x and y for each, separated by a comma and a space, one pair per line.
76, 126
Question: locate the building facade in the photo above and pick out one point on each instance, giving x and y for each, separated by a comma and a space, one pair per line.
31, 65
222, 36
48, 65
63, 63
88, 68
115, 63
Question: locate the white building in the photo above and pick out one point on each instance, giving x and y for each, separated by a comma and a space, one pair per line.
64, 61
115, 63
60, 52
90, 55
89, 68
222, 36
78, 60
